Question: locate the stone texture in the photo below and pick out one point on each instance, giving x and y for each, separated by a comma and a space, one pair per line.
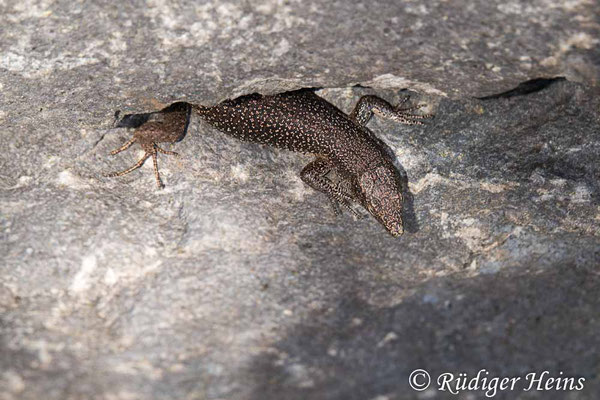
237, 281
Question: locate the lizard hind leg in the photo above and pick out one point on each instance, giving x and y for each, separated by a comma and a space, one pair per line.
130, 169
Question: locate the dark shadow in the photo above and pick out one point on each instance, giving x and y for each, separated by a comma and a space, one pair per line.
411, 224
524, 88
511, 324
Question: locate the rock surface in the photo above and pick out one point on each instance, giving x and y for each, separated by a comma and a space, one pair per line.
237, 281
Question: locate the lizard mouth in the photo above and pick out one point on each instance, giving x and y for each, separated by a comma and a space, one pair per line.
393, 225
391, 221
396, 230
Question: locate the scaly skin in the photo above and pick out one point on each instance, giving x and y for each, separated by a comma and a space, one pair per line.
303, 122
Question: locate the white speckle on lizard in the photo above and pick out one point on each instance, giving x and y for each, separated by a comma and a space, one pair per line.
299, 121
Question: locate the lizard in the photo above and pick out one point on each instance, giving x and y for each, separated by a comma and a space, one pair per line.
299, 121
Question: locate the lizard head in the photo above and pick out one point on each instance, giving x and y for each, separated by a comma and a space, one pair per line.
380, 192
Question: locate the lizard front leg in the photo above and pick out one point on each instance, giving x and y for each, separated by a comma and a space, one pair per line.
167, 125
339, 193
369, 105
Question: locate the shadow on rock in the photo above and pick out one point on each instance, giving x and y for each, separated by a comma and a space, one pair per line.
510, 324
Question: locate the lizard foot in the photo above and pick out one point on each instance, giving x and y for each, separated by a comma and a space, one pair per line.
155, 150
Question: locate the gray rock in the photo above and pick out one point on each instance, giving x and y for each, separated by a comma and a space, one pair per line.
237, 281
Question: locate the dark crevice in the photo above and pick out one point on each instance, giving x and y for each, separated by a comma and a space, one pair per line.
524, 88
